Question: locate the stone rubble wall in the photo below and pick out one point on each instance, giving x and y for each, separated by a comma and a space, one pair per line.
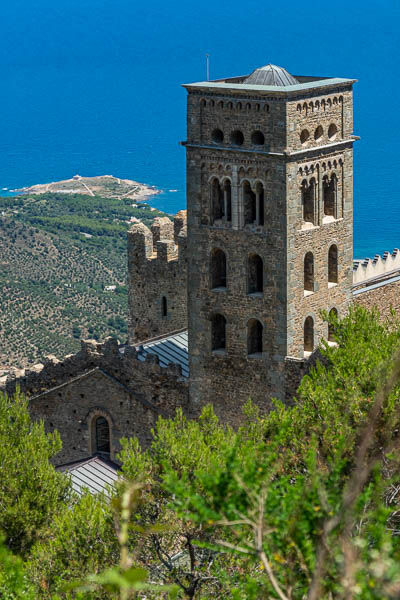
385, 298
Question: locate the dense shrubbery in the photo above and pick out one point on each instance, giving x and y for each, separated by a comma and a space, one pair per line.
300, 503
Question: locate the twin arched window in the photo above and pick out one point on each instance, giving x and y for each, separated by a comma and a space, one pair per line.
254, 335
255, 272
309, 269
309, 331
329, 198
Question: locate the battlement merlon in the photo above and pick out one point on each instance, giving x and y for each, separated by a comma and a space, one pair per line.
379, 266
165, 241
162, 229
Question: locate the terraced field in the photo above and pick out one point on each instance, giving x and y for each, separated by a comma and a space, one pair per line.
58, 255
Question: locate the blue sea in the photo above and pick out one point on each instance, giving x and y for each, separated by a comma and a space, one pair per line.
93, 87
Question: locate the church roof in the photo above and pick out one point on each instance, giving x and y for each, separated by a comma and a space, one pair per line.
169, 349
94, 474
271, 75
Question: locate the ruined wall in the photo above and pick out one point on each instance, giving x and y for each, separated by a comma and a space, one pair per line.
101, 380
157, 278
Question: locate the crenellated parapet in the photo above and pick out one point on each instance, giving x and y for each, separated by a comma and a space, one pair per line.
126, 363
379, 266
163, 240
157, 277
119, 383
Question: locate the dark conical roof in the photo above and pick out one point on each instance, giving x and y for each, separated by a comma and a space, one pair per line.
271, 75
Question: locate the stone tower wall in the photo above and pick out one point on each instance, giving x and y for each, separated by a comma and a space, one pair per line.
157, 278
332, 112
229, 379
207, 112
281, 164
317, 160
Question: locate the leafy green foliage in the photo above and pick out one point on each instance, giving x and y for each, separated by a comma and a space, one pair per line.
14, 584
269, 498
31, 491
300, 503
80, 541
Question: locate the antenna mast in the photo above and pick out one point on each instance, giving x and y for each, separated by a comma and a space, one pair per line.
208, 67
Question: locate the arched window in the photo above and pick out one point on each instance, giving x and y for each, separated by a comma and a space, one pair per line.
217, 203
254, 337
164, 306
329, 196
218, 269
308, 201
255, 275
309, 334
332, 265
249, 204
259, 204
218, 333
227, 200
308, 273
333, 313
102, 437
237, 137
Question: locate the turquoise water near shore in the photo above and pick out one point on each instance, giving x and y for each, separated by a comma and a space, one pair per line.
94, 88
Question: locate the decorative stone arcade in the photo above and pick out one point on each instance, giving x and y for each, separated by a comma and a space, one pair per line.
269, 190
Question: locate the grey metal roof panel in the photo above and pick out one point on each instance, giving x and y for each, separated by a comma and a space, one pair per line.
170, 349
271, 75
94, 474
300, 87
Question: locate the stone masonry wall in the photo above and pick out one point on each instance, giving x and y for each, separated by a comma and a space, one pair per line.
325, 118
328, 120
157, 278
102, 379
383, 298
318, 239
229, 377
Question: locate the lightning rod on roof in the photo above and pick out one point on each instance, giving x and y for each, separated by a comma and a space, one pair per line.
208, 67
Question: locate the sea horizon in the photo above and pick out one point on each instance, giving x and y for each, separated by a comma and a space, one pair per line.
108, 99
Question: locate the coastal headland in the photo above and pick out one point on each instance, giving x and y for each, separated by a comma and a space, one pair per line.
106, 186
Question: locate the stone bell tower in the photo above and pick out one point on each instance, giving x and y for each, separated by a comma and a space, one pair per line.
270, 206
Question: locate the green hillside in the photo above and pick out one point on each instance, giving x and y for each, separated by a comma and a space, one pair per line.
58, 254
